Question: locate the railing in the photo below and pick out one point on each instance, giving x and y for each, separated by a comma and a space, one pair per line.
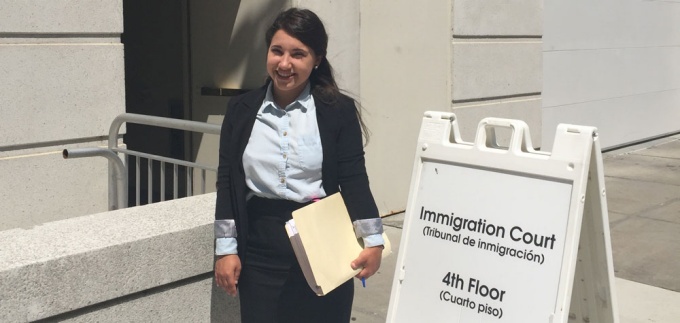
118, 170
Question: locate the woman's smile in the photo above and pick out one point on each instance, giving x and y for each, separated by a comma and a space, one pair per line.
285, 75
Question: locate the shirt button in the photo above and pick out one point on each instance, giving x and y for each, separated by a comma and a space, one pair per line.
285, 133
284, 156
283, 180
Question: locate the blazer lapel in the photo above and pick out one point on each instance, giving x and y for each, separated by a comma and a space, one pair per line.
252, 102
324, 120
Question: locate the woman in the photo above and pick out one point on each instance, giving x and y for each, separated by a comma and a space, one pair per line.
294, 140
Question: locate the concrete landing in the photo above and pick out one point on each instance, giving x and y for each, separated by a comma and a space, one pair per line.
643, 196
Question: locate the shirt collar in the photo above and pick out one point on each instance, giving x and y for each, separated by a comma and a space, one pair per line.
304, 101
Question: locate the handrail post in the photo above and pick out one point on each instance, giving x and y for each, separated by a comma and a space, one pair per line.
117, 173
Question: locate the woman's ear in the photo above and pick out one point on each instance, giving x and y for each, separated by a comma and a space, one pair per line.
318, 61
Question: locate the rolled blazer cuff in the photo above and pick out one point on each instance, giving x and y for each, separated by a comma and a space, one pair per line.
225, 229
366, 227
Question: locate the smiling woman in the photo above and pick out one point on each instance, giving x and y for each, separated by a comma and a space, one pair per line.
295, 140
289, 64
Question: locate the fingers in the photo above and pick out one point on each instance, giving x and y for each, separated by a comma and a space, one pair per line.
365, 273
227, 284
368, 261
222, 280
232, 282
227, 273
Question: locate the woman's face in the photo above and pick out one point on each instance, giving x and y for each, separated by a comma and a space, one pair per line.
289, 64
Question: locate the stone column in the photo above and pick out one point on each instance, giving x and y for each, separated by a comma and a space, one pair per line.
62, 85
496, 63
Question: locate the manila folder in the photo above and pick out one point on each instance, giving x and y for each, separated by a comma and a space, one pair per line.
325, 244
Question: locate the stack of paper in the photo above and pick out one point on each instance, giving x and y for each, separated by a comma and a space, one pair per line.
325, 244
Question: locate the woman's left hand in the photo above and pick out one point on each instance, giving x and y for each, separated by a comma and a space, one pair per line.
369, 259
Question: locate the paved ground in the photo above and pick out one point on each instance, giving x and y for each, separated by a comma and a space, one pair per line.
643, 194
643, 185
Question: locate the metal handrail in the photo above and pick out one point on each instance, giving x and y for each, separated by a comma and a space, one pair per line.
179, 124
118, 188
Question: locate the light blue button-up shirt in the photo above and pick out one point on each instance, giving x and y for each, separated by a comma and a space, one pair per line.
283, 157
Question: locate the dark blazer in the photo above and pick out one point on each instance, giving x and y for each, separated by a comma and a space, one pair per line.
343, 166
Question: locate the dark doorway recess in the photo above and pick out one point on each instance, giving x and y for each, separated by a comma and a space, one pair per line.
157, 79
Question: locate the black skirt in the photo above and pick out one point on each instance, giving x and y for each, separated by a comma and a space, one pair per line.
272, 287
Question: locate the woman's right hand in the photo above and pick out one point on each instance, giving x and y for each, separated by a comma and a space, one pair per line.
227, 272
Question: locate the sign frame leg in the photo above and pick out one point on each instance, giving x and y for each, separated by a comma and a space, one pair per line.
593, 298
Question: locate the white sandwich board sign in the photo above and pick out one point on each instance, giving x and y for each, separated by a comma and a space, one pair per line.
504, 234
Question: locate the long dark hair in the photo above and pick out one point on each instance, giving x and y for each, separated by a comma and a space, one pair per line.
305, 25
